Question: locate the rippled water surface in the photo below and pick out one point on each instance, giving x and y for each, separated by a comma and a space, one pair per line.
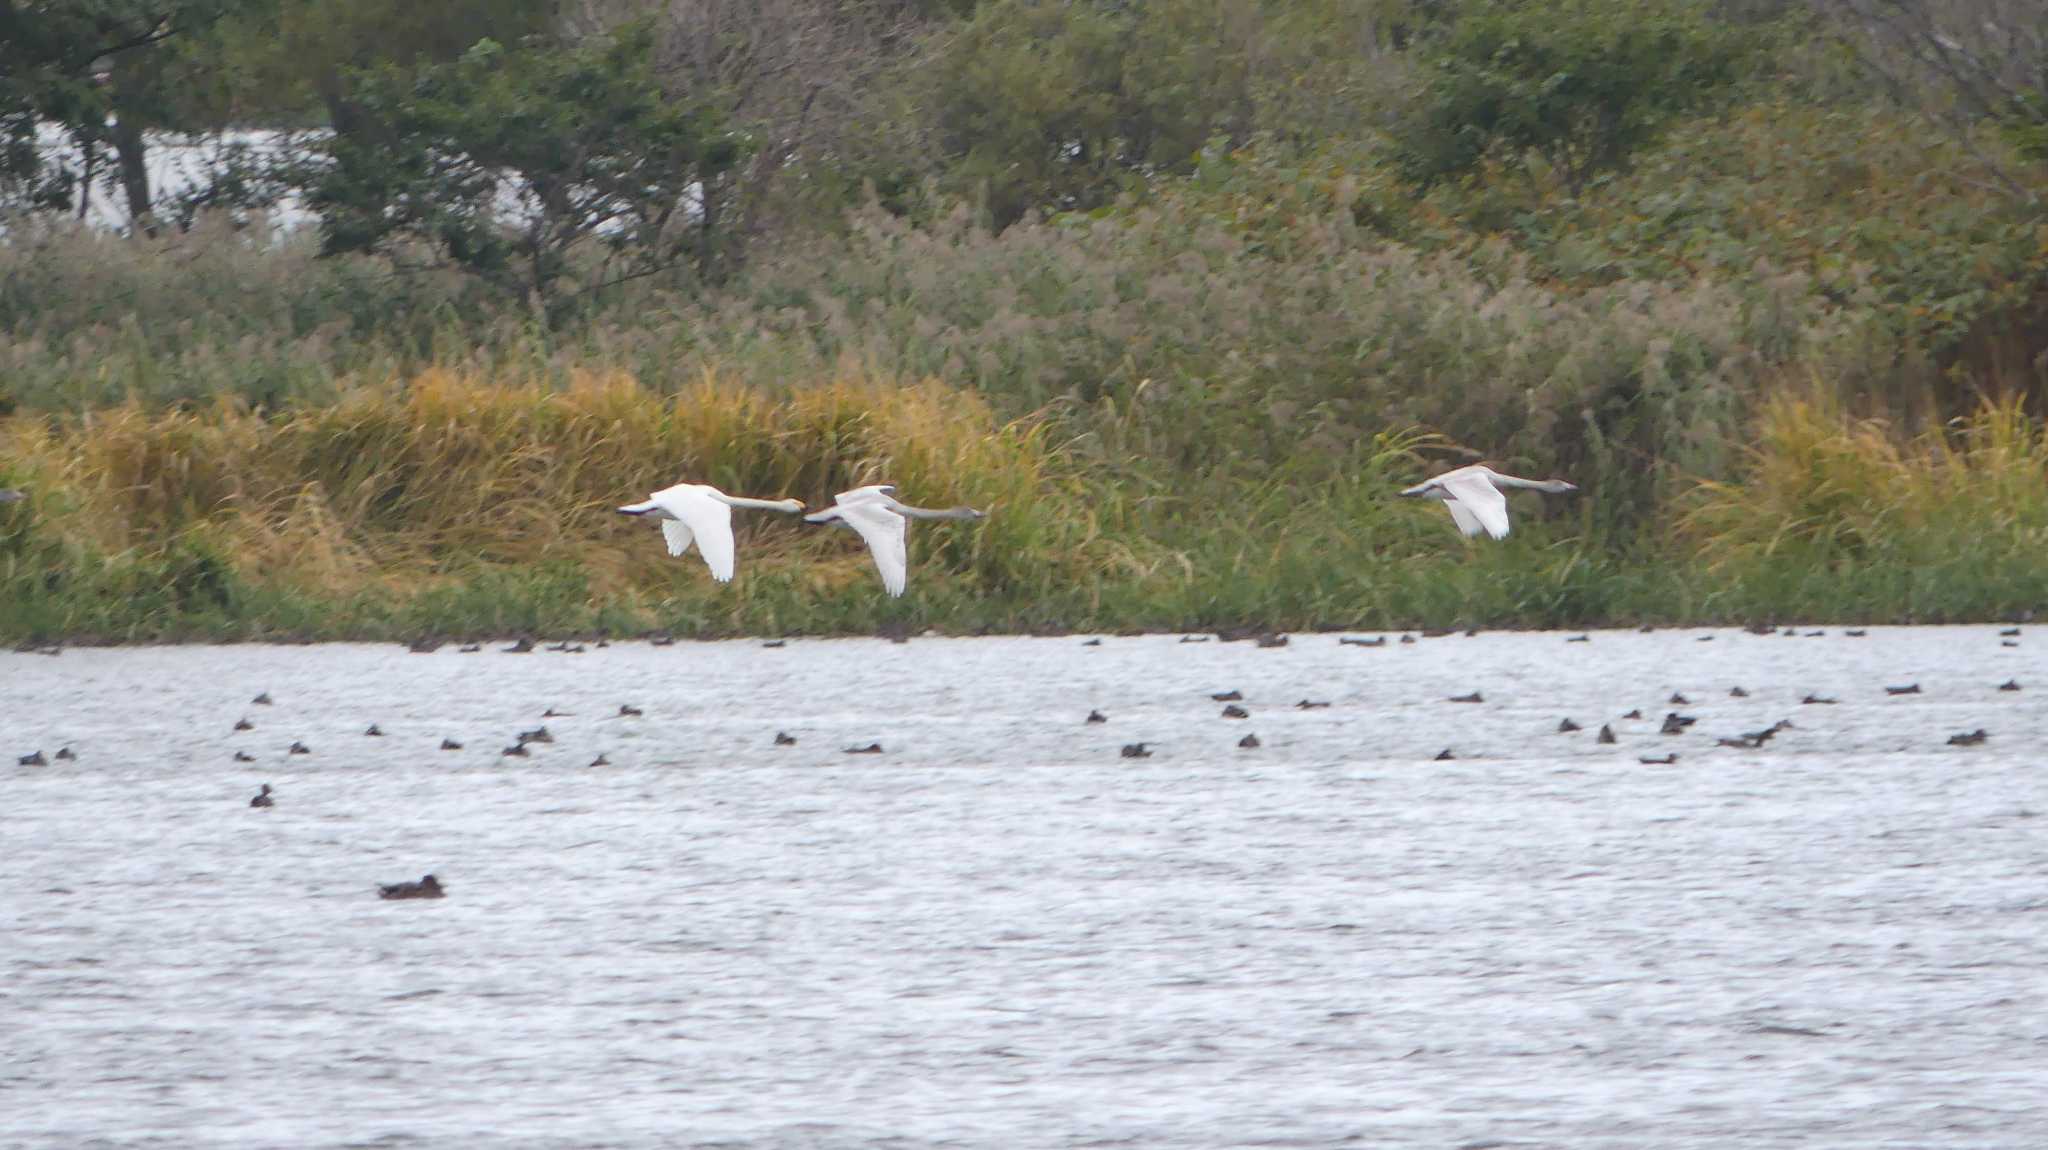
998, 931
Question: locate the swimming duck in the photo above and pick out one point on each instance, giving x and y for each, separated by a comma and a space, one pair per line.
775, 644
551, 713
469, 648
1675, 723
1566, 726
1474, 697
298, 748
1348, 642
1249, 742
1194, 638
515, 751
537, 735
262, 700
2009, 643
1658, 760
662, 640
33, 759
1272, 640
1096, 717
1407, 638
1968, 738
64, 755
428, 887
1737, 693
1704, 639
1678, 700
1310, 705
423, 646
1135, 751
870, 749
1606, 734
262, 798
2010, 632
628, 711
244, 725
784, 739
1091, 643
2009, 685
1755, 739
522, 647
1635, 714
1580, 639
1444, 756
244, 757
373, 732
1233, 711
1228, 696
600, 761
1856, 634
1908, 689
1817, 700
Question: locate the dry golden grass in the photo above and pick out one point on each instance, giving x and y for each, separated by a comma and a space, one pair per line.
1833, 485
403, 481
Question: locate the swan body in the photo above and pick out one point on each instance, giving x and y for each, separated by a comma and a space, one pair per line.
701, 513
884, 524
1476, 496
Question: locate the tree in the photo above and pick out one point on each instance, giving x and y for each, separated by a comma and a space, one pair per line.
96, 68
509, 160
1966, 62
1580, 83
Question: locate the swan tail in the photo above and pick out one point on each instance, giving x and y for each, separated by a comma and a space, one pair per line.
637, 508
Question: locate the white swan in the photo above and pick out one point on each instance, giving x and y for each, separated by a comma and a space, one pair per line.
885, 524
1475, 496
699, 511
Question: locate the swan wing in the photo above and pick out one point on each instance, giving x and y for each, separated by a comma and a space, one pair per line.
706, 519
1476, 504
1467, 522
887, 535
873, 491
678, 536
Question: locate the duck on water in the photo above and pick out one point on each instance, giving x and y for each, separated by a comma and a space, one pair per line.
428, 887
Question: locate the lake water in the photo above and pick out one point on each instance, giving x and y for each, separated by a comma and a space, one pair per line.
999, 932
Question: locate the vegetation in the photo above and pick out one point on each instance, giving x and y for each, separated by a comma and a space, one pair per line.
1183, 291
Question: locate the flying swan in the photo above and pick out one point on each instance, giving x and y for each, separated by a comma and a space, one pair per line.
702, 512
1476, 496
885, 524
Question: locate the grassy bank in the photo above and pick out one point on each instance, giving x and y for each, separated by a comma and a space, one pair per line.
459, 506
1793, 355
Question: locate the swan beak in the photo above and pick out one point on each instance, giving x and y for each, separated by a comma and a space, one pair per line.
799, 504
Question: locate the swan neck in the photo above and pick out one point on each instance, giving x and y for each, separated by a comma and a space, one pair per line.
763, 504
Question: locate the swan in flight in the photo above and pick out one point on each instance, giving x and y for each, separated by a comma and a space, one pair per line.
885, 524
1476, 496
704, 513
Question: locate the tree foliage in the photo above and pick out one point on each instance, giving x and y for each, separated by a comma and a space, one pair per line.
507, 160
97, 70
1579, 83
